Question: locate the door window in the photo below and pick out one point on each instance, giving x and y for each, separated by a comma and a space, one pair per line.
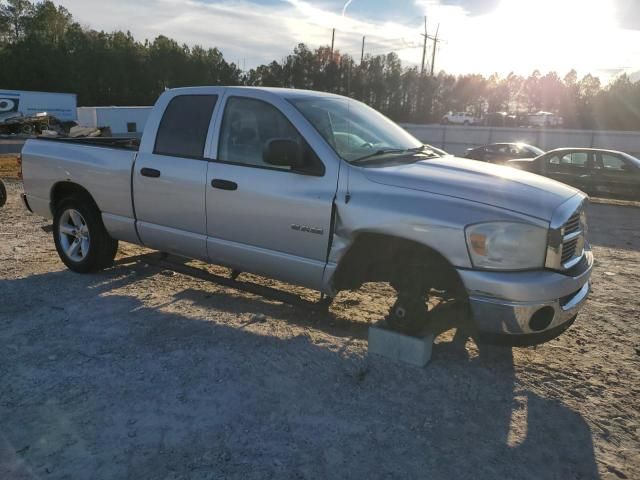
613, 163
569, 161
248, 126
184, 126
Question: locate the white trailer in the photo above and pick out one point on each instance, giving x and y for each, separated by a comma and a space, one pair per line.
60, 105
121, 120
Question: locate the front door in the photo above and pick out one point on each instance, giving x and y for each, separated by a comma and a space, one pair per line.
615, 175
169, 179
261, 218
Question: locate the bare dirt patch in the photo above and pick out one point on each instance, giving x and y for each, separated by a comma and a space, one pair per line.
138, 372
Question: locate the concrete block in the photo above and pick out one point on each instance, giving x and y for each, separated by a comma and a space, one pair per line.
414, 350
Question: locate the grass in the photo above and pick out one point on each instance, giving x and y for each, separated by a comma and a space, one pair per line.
9, 166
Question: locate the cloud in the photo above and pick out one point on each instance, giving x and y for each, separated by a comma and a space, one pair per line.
628, 13
479, 36
245, 31
474, 7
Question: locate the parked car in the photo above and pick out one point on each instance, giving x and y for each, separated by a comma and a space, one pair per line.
597, 172
253, 178
544, 119
458, 118
500, 119
501, 152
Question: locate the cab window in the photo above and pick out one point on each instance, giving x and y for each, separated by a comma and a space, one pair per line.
247, 127
184, 126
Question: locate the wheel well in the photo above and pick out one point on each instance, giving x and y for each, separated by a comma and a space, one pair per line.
62, 190
384, 258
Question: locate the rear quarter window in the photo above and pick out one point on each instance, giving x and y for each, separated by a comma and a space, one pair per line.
184, 126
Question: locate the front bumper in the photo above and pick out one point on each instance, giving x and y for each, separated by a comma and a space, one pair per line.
526, 303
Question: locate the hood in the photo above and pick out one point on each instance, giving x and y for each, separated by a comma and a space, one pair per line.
495, 185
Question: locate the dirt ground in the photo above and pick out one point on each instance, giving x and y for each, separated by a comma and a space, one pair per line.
138, 372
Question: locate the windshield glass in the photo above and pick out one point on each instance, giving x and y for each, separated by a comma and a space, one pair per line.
354, 130
632, 159
535, 150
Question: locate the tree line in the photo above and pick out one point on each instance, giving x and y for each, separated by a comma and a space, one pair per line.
43, 48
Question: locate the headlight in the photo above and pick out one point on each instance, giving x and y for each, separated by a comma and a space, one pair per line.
506, 245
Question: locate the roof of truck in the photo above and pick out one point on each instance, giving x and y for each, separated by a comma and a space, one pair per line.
282, 92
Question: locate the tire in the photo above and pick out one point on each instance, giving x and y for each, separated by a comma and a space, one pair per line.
3, 194
409, 314
81, 239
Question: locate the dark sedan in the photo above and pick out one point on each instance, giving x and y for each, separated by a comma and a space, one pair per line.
502, 152
597, 172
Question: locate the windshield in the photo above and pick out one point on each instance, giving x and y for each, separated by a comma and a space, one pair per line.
354, 130
535, 150
632, 159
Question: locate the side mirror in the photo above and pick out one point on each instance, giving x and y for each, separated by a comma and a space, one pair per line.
283, 152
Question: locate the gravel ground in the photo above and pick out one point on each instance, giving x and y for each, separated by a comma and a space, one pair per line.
138, 372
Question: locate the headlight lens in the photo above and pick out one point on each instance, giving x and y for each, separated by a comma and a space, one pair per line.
507, 245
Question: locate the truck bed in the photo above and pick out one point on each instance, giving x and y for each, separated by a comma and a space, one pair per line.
102, 166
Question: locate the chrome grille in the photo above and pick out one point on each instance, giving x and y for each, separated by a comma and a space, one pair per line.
567, 231
572, 240
569, 250
573, 224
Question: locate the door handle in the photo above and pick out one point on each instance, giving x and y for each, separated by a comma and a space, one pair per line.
224, 184
150, 172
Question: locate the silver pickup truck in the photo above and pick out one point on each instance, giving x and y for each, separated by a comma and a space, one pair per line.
321, 191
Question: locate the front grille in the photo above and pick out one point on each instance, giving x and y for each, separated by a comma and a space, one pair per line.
569, 250
572, 239
573, 224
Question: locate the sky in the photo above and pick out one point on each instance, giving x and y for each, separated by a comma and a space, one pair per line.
479, 36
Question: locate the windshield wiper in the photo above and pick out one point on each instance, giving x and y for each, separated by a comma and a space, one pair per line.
420, 149
380, 153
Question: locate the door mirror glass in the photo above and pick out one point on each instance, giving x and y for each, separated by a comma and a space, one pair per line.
283, 152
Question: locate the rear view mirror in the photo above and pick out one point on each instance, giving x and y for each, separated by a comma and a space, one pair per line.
283, 152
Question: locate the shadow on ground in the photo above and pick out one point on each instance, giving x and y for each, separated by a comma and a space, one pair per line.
98, 385
614, 226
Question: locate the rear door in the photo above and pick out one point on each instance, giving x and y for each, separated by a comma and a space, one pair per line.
574, 168
170, 175
261, 218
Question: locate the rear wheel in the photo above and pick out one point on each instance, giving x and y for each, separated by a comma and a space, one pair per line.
81, 239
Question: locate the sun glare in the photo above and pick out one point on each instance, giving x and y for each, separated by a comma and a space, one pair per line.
523, 35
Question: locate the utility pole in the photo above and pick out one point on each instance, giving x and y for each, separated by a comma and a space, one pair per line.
333, 37
435, 46
424, 44
362, 52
